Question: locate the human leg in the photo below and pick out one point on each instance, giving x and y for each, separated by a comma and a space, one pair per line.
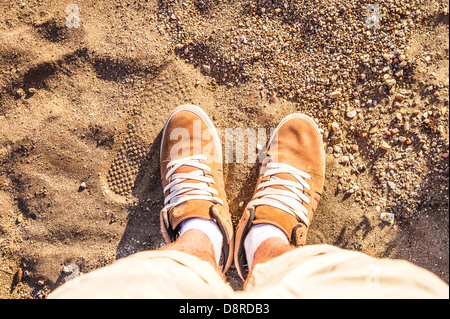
195, 223
325, 272
192, 177
277, 267
158, 274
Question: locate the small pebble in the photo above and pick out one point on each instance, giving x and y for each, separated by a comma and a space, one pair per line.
336, 94
344, 159
385, 146
351, 114
391, 185
406, 126
400, 97
20, 93
334, 126
273, 97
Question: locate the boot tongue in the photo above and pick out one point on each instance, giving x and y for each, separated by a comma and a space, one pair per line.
270, 215
275, 216
192, 208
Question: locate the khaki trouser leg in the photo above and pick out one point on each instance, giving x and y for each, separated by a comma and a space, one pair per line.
151, 274
322, 271
318, 271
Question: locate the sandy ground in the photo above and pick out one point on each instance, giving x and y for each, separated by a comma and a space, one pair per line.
87, 105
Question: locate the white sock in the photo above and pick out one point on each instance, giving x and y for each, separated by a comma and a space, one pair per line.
209, 228
257, 234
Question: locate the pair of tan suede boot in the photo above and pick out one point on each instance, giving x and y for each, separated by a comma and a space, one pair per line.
287, 191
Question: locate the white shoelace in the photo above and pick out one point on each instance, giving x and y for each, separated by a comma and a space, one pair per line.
181, 191
290, 201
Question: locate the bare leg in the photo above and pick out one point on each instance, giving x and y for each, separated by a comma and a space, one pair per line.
269, 249
196, 243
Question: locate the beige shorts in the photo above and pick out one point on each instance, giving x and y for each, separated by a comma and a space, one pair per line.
318, 271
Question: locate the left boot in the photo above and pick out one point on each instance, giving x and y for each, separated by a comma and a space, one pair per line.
192, 176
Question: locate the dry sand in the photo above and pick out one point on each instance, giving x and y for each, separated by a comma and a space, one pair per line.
87, 105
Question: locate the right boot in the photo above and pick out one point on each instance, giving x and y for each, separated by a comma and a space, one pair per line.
289, 185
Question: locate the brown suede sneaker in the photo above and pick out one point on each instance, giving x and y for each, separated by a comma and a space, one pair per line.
289, 185
192, 176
